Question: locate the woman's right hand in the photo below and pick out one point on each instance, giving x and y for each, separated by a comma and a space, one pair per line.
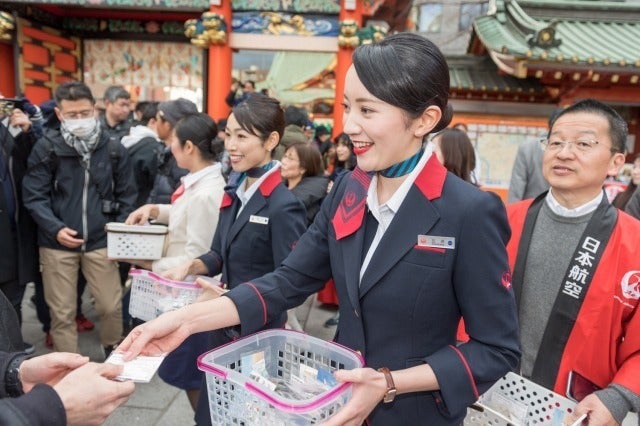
156, 337
141, 215
177, 273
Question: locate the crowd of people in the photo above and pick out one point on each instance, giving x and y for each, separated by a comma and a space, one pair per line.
440, 287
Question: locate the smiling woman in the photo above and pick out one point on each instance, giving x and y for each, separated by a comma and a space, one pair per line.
408, 245
259, 220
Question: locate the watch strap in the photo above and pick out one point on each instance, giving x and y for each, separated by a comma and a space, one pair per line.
390, 394
12, 383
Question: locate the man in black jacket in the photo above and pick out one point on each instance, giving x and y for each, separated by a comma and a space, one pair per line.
78, 180
19, 259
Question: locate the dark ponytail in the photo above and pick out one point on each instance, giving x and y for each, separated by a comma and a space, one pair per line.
202, 131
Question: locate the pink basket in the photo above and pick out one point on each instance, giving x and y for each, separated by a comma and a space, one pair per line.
236, 397
152, 295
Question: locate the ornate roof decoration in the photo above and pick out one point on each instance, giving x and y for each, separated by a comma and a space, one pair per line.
521, 44
476, 77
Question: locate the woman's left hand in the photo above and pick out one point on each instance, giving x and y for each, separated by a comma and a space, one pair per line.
369, 387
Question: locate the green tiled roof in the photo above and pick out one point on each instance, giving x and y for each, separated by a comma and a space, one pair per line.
480, 74
594, 40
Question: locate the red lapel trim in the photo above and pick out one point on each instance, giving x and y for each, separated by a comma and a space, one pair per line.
226, 201
270, 183
349, 216
431, 179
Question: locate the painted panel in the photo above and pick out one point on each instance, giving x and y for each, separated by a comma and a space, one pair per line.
36, 94
46, 58
36, 75
314, 6
65, 61
48, 36
37, 55
284, 24
143, 67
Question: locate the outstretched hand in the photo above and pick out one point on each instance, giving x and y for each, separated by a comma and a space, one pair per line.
156, 337
369, 387
49, 369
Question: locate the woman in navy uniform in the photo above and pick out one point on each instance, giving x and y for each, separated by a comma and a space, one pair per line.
411, 248
260, 219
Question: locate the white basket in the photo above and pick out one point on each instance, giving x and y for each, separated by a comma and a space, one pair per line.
152, 295
135, 241
514, 400
235, 398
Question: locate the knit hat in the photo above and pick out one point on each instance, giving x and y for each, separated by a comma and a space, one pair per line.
174, 111
321, 131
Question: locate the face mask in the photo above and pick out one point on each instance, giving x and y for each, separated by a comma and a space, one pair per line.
81, 127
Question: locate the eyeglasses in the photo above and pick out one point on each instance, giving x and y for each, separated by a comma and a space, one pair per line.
582, 145
76, 115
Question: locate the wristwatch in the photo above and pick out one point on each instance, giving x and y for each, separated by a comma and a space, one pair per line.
13, 385
391, 392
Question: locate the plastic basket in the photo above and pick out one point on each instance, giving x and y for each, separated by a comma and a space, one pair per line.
237, 398
152, 295
514, 400
135, 241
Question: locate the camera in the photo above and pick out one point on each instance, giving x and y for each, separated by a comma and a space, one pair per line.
110, 207
7, 105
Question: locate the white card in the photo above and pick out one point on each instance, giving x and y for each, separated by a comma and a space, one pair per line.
140, 369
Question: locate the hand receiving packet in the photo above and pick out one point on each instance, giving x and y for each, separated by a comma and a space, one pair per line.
140, 369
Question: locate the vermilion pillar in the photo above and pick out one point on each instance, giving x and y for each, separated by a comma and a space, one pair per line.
220, 67
344, 62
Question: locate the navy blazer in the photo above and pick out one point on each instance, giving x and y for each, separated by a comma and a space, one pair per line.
244, 249
406, 310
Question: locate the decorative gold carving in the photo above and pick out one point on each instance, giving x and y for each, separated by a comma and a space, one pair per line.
210, 29
278, 26
633, 79
348, 37
539, 74
576, 76
351, 36
7, 25
595, 78
615, 78
557, 75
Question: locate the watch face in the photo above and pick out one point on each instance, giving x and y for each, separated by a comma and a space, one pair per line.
390, 395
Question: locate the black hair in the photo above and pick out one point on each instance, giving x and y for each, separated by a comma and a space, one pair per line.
351, 162
295, 115
251, 82
113, 93
618, 129
260, 115
407, 71
148, 110
73, 91
202, 131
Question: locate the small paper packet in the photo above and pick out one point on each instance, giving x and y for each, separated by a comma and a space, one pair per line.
140, 369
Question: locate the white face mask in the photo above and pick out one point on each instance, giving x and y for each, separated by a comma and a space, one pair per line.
81, 127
